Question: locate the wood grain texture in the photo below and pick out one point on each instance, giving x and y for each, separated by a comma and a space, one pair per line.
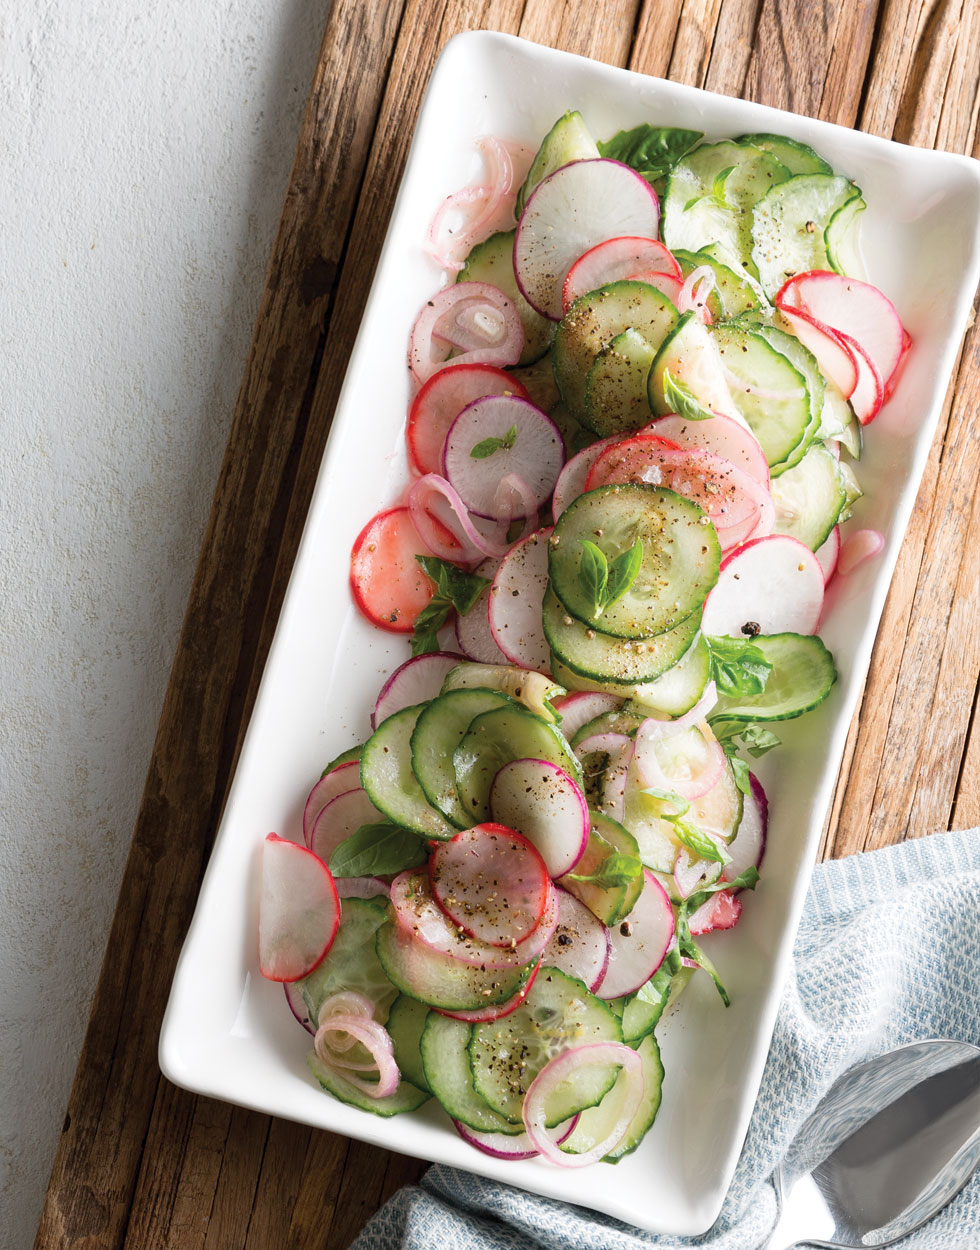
144, 1165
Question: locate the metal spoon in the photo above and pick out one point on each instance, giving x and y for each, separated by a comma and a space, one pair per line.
891, 1143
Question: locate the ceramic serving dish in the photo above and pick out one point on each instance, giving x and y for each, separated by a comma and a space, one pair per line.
227, 1032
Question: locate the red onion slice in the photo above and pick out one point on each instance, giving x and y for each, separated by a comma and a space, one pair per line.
436, 508
689, 761
693, 295
857, 548
502, 1146
491, 325
374, 1038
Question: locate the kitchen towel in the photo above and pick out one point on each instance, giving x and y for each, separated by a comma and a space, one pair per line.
888, 952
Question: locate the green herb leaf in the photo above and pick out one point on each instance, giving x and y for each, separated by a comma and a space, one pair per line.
718, 187
757, 739
425, 632
690, 950
698, 842
623, 572
374, 850
614, 871
593, 574
488, 446
740, 771
455, 588
670, 796
680, 399
746, 880
651, 150
738, 667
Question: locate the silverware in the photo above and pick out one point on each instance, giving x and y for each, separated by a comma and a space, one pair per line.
890, 1144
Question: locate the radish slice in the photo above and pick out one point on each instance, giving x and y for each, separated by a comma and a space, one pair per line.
857, 548
416, 681
638, 944
388, 584
299, 910
619, 748
473, 632
481, 1015
749, 844
719, 434
772, 585
720, 911
502, 1146
457, 531
581, 706
555, 1072
340, 780
442, 399
419, 914
689, 761
297, 1005
374, 1038
571, 480
474, 313
828, 554
869, 393
834, 357
543, 802
492, 883
514, 606
569, 212
616, 260
579, 944
528, 443
361, 887
340, 818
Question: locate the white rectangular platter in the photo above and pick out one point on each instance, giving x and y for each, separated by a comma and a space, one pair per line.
227, 1032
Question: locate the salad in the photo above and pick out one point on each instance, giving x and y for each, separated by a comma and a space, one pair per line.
633, 433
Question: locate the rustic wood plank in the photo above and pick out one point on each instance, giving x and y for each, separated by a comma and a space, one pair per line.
732, 51
576, 26
850, 52
656, 31
789, 62
695, 39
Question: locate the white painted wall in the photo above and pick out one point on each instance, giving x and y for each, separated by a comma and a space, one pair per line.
144, 153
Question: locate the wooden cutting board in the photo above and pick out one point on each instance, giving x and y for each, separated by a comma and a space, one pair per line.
144, 1165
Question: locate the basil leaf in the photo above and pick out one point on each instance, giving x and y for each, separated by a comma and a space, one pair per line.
425, 632
651, 150
593, 573
462, 589
672, 797
757, 739
488, 446
623, 572
698, 842
737, 665
374, 850
748, 879
615, 870
690, 950
680, 399
718, 187
740, 771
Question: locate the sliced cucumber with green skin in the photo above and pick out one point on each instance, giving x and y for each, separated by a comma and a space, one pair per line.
732, 295
809, 497
717, 252
616, 385
609, 903
507, 1054
626, 661
493, 740
621, 721
649, 1105
679, 563
440, 980
592, 323
852, 438
797, 157
345, 757
444, 1047
641, 1014
351, 962
493, 261
840, 239
691, 355
567, 140
705, 204
576, 682
804, 360
677, 691
390, 782
407, 1097
837, 415
780, 424
789, 222
803, 673
534, 690
539, 382
406, 1020
436, 736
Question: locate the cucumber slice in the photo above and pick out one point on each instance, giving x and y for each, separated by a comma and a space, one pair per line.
438, 732
597, 1122
440, 980
803, 673
797, 157
788, 226
493, 740
567, 140
592, 323
620, 721
406, 1020
539, 382
809, 497
391, 784
507, 1054
804, 360
345, 757
351, 962
613, 903
679, 564
575, 436
841, 239
719, 811
407, 1097
628, 662
493, 261
710, 194
534, 690
677, 691
749, 279
732, 295
836, 416
691, 355
444, 1047
616, 385
770, 392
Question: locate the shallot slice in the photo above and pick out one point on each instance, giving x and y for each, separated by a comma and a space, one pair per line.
375, 1039
432, 494
858, 547
493, 328
688, 761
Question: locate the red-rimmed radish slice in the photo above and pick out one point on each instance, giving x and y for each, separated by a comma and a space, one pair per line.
340, 780
828, 553
503, 1146
581, 706
720, 911
614, 260
724, 436
579, 944
571, 480
619, 748
387, 582
749, 844
418, 913
892, 382
551, 1078
638, 944
375, 1040
297, 1005
474, 315
547, 806
834, 357
869, 393
340, 818
481, 1015
529, 443
473, 634
516, 595
299, 910
492, 883
689, 760
858, 547
856, 309
567, 214
773, 584
445, 526
442, 399
361, 887
416, 681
